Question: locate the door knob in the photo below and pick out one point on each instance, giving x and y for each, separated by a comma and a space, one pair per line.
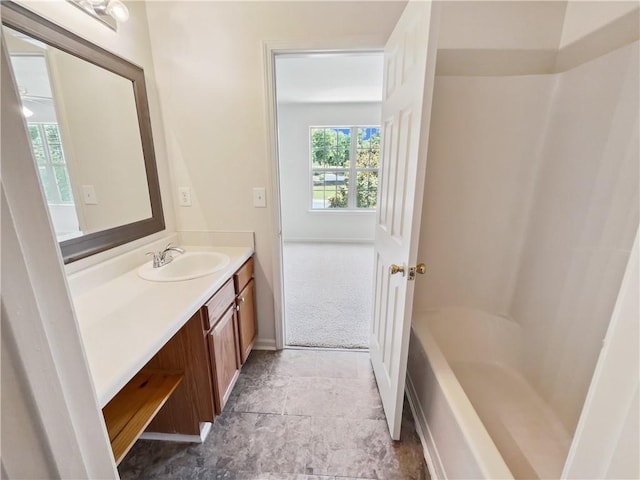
393, 269
421, 268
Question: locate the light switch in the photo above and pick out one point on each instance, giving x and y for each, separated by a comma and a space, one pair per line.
259, 197
89, 194
184, 196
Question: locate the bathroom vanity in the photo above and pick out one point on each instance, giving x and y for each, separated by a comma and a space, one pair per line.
165, 356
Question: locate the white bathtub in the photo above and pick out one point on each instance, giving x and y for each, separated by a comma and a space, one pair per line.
478, 415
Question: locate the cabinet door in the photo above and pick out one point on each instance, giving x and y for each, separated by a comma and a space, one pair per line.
225, 367
247, 324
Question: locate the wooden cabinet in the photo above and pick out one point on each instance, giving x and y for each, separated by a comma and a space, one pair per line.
191, 377
186, 352
245, 305
224, 357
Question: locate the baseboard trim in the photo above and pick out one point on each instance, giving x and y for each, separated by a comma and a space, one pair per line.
205, 428
265, 344
436, 469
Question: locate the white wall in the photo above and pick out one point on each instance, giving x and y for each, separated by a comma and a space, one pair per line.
298, 221
483, 146
210, 68
582, 226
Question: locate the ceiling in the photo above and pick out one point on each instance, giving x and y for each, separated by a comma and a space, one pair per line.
329, 77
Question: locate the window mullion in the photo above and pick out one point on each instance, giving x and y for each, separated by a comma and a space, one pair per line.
352, 168
51, 174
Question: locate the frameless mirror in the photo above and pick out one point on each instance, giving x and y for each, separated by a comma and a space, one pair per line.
88, 123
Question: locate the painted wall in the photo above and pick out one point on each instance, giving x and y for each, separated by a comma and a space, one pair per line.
483, 147
210, 69
299, 222
582, 225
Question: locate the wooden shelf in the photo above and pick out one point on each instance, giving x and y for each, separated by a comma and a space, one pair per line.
131, 410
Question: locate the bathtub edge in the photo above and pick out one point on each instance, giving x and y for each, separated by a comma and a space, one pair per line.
436, 470
477, 439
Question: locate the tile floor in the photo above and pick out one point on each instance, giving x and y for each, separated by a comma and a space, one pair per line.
293, 415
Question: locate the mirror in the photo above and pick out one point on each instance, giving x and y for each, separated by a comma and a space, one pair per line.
88, 122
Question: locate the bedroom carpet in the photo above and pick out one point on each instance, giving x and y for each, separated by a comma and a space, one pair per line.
328, 290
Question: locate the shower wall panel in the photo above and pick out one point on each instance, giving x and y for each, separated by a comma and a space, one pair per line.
486, 134
583, 220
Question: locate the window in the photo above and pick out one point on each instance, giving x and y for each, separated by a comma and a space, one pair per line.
47, 149
332, 168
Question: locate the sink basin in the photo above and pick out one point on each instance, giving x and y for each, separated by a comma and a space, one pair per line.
185, 266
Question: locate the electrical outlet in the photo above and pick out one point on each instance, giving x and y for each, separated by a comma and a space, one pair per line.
184, 196
89, 195
259, 197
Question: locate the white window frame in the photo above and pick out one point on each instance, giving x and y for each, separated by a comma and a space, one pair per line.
48, 164
352, 171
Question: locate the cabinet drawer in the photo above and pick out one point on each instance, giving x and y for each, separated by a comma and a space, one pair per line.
218, 304
243, 275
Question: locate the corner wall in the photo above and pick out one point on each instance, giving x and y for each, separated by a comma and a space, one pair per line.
299, 222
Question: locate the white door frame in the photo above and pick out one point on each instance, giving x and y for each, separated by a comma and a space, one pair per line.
270, 49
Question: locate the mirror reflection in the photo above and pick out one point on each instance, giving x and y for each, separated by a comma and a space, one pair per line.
83, 126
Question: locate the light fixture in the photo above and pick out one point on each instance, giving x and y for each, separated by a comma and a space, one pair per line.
118, 10
110, 12
26, 112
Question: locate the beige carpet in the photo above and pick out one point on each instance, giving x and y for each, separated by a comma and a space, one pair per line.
328, 289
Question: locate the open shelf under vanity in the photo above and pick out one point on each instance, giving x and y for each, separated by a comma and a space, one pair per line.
132, 409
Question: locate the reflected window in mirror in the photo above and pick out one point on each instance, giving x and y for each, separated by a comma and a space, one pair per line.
34, 88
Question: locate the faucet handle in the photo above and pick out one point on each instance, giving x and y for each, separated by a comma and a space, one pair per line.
157, 258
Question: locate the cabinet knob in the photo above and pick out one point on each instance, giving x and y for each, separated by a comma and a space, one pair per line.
237, 308
241, 299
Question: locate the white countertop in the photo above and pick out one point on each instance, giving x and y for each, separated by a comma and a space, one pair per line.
126, 320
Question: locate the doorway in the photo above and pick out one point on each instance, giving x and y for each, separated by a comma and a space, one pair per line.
328, 110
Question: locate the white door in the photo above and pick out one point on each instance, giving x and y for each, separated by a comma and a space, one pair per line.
409, 69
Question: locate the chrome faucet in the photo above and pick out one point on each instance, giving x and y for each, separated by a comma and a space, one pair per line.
164, 256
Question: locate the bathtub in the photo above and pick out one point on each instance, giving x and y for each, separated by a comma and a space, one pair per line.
475, 411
